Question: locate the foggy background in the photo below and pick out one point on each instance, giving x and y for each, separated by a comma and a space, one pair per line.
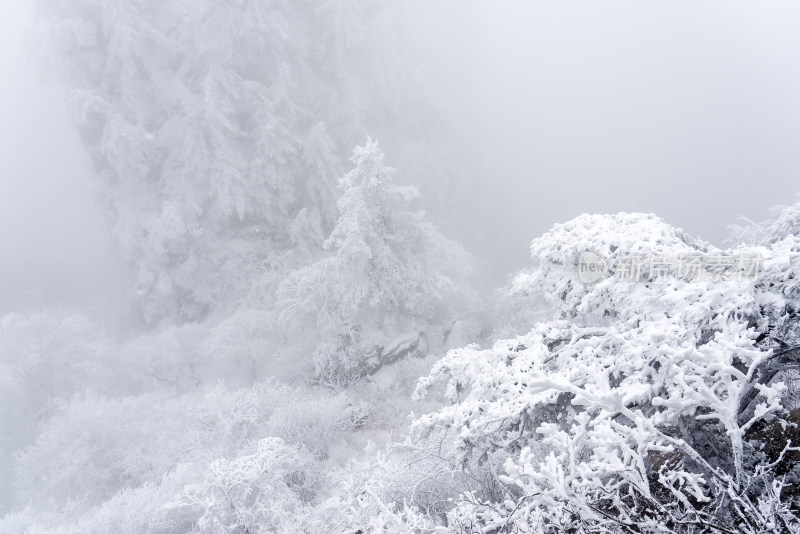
54, 244
685, 109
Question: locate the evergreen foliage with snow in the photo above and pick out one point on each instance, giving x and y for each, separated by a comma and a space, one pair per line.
389, 274
217, 130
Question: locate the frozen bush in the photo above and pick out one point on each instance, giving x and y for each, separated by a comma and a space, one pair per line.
262, 490
318, 424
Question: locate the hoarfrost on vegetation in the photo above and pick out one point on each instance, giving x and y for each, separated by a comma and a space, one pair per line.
284, 322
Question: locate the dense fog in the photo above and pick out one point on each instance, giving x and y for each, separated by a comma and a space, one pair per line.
682, 109
687, 111
55, 244
321, 266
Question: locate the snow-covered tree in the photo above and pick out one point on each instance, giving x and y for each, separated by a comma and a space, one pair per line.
634, 408
387, 262
390, 272
216, 129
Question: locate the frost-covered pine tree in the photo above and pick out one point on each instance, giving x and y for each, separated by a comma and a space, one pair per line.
389, 273
217, 130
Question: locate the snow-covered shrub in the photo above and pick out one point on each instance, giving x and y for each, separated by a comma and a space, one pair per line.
94, 447
264, 486
630, 412
242, 350
267, 489
132, 456
408, 487
388, 392
785, 221
366, 501
132, 510
345, 357
43, 357
317, 424
168, 358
